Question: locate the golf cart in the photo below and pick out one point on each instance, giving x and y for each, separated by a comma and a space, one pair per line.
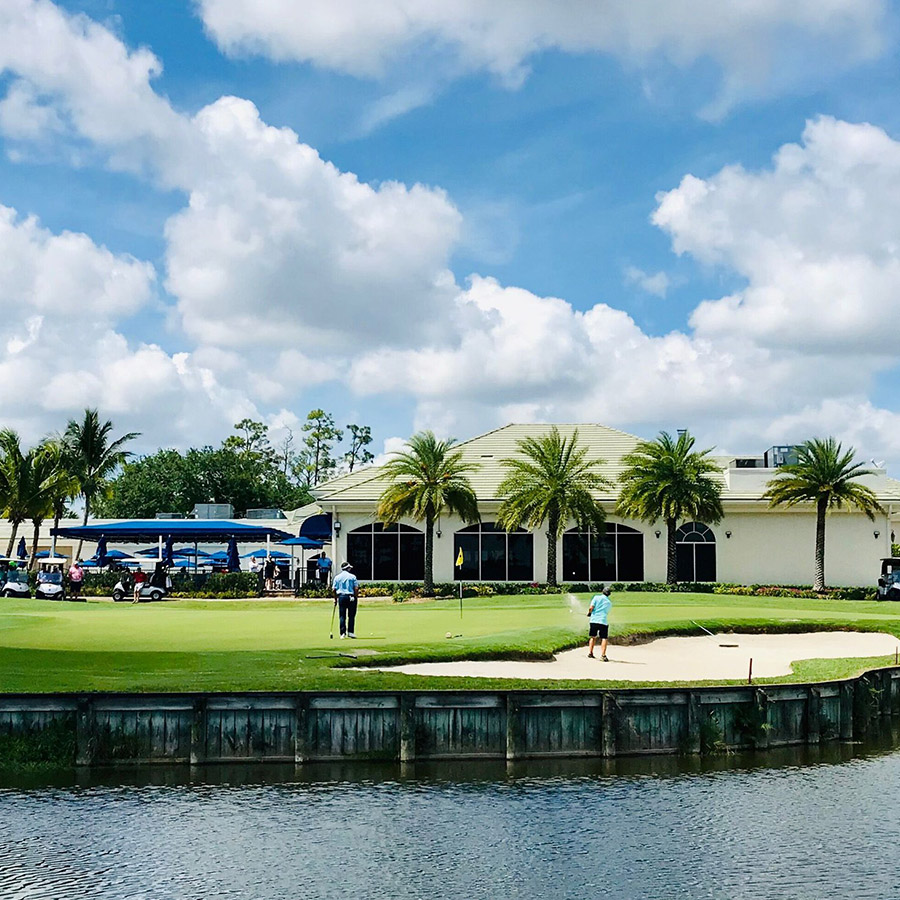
50, 579
15, 583
154, 588
889, 582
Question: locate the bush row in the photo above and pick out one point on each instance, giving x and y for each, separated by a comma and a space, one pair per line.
215, 585
247, 584
401, 591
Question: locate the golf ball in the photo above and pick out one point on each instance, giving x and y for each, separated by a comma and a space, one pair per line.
449, 635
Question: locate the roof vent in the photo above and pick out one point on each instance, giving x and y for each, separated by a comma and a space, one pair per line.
487, 455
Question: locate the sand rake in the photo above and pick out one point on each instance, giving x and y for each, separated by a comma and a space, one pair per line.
710, 634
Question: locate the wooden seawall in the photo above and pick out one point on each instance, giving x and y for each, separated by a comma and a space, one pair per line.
101, 729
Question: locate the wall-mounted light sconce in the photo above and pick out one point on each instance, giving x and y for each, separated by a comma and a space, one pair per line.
728, 535
877, 534
658, 533
337, 527
438, 532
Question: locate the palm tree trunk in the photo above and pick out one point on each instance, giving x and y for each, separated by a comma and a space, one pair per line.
56, 515
552, 532
12, 539
32, 563
671, 557
428, 586
819, 575
87, 509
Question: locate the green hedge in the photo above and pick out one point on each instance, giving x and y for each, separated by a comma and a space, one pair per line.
218, 584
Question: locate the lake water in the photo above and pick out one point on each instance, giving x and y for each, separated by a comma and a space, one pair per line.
804, 824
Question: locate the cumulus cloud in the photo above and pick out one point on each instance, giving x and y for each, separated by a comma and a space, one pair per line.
61, 299
292, 250
815, 237
795, 352
75, 75
287, 271
656, 283
757, 45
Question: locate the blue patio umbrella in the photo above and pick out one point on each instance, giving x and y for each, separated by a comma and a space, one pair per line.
261, 554
101, 555
233, 563
304, 542
168, 556
22, 551
192, 551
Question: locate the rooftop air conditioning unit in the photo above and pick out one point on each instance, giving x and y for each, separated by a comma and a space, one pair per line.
263, 513
170, 515
213, 511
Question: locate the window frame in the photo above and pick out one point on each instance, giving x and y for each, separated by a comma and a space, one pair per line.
613, 530
490, 529
380, 529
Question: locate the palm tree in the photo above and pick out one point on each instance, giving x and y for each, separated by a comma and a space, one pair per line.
94, 457
427, 478
825, 475
667, 479
46, 478
65, 487
13, 489
551, 481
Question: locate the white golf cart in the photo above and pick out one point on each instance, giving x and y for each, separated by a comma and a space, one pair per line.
889, 581
15, 580
154, 588
50, 579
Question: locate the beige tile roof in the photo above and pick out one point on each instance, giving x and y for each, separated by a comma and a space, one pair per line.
488, 450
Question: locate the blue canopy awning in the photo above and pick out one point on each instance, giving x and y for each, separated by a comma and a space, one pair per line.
202, 530
318, 528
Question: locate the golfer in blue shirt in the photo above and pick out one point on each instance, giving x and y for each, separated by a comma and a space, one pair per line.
598, 613
346, 596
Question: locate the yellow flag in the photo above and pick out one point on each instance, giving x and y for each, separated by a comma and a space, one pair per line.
459, 559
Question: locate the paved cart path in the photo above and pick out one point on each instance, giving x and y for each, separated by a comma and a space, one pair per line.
679, 658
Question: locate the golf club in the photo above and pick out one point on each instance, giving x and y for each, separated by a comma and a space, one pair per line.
331, 629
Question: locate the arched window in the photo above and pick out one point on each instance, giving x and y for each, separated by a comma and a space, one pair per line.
387, 552
615, 555
695, 552
492, 554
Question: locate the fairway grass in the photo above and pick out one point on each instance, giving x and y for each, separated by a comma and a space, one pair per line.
284, 645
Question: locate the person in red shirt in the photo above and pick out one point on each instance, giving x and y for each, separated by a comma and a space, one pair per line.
139, 578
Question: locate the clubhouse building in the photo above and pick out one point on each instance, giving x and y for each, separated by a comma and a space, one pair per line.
753, 544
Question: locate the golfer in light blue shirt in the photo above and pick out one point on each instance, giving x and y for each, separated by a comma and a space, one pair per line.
346, 596
598, 614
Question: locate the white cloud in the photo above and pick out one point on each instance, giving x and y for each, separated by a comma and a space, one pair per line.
74, 75
816, 238
758, 44
289, 272
62, 298
294, 251
656, 283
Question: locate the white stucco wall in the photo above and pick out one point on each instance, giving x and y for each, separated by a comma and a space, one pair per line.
766, 546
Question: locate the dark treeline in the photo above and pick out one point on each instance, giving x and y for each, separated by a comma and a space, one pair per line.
246, 470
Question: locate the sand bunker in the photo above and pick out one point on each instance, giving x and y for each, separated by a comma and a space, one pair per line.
679, 658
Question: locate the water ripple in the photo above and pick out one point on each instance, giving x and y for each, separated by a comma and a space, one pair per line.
813, 832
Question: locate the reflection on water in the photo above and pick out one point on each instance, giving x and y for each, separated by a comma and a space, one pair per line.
799, 824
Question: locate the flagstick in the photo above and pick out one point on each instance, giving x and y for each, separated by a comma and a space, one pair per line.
460, 599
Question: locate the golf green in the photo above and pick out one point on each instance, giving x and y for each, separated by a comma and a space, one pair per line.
285, 645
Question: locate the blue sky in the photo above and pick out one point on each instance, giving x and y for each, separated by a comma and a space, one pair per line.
554, 264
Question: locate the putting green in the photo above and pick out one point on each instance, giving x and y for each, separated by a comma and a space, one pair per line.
260, 645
